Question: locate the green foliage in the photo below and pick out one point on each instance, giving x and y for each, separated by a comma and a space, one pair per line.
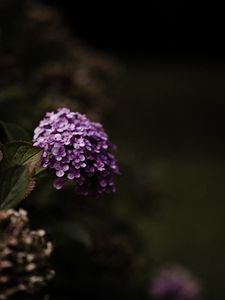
21, 153
15, 184
17, 169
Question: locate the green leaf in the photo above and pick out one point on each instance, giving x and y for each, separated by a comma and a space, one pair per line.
13, 132
17, 168
15, 184
20, 154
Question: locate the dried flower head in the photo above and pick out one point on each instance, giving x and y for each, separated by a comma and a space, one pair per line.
175, 283
77, 149
24, 255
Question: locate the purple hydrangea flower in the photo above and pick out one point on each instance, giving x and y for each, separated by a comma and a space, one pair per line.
174, 283
77, 149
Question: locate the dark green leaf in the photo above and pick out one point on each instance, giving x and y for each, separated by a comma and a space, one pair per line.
17, 168
15, 184
20, 154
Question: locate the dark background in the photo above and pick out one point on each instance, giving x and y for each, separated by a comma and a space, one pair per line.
171, 29
167, 118
169, 124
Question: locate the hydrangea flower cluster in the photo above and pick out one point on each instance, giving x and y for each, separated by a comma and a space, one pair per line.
175, 283
77, 149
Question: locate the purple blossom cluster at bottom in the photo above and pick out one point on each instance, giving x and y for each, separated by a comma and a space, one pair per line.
174, 283
77, 149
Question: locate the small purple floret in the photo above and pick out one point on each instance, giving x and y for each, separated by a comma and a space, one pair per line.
77, 149
174, 283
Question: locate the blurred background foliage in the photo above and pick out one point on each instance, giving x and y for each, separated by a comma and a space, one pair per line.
165, 114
